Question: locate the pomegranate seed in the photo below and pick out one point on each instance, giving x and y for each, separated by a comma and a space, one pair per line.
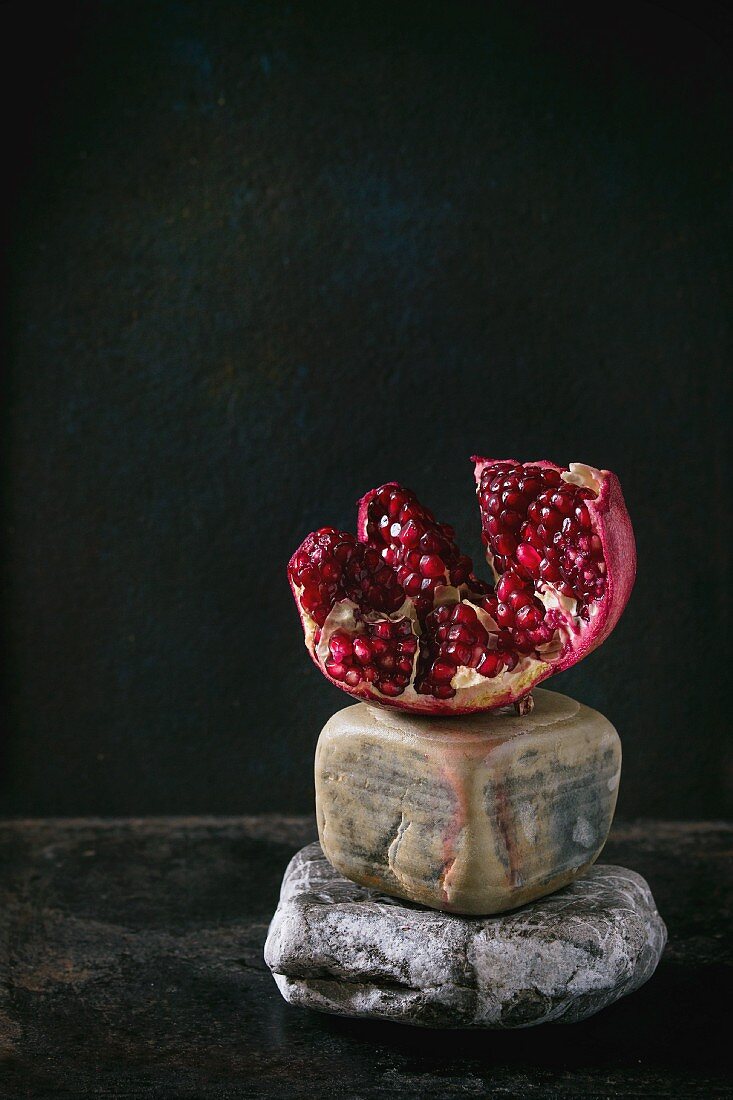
512, 499
563, 502
506, 544
389, 687
551, 520
430, 543
528, 618
352, 677
442, 671
531, 486
511, 519
583, 517
340, 645
336, 671
549, 571
528, 557
519, 599
509, 582
432, 566
362, 650
489, 664
522, 642
461, 654
410, 534
504, 615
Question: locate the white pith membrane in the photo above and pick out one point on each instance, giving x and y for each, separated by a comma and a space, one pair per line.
473, 690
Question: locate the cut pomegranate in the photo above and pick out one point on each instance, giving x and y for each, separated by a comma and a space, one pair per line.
397, 615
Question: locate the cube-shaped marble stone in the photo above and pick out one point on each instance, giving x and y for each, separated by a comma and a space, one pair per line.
474, 814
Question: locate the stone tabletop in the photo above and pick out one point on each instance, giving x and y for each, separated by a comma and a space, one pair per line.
131, 966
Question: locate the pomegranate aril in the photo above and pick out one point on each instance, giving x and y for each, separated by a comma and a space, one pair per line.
410, 534
389, 687
432, 566
337, 671
489, 664
362, 650
528, 556
528, 618
460, 654
511, 519
583, 517
511, 498
505, 544
412, 583
508, 583
340, 645
522, 642
563, 502
352, 677
428, 543
504, 615
551, 520
549, 571
531, 486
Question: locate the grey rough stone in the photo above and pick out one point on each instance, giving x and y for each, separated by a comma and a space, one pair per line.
343, 948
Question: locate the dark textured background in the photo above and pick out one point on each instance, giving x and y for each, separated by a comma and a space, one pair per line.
264, 257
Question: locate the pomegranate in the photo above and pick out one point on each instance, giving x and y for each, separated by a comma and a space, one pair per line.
397, 616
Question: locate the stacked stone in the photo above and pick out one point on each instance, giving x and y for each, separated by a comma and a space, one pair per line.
464, 819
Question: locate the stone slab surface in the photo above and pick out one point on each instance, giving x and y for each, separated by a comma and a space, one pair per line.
131, 965
342, 948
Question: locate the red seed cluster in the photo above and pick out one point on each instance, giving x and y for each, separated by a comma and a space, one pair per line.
331, 565
454, 637
537, 527
382, 655
422, 552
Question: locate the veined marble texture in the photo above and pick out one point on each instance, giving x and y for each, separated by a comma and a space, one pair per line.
338, 947
472, 815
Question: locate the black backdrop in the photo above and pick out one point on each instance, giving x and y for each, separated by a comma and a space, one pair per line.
265, 256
